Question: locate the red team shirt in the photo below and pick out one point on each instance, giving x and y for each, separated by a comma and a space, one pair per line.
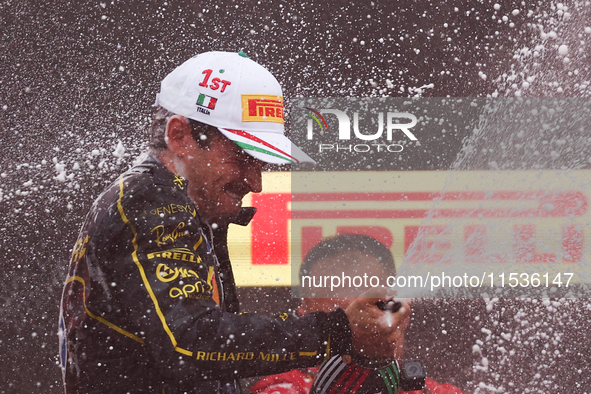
299, 381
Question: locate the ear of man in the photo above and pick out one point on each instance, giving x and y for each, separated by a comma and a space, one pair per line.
179, 138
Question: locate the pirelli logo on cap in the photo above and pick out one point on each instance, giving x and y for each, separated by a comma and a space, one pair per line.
262, 108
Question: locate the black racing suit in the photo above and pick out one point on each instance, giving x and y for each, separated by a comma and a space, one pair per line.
144, 310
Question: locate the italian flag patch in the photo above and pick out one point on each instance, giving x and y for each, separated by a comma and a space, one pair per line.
206, 101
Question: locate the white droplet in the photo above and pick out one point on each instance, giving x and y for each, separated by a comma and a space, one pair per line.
119, 150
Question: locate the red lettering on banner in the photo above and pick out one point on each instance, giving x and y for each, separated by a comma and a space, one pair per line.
410, 233
475, 246
525, 246
269, 228
548, 205
475, 240
427, 241
270, 225
310, 237
572, 243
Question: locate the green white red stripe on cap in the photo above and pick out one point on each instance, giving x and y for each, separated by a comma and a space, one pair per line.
256, 144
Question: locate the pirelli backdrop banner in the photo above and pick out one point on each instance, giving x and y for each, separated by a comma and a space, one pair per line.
508, 228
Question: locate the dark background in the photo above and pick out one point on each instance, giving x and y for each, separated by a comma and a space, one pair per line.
78, 77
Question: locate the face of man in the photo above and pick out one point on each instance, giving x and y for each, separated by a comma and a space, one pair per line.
219, 176
350, 264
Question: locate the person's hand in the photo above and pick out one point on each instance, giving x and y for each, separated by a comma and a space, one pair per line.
377, 333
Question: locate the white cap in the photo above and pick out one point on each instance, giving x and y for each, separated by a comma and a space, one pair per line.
236, 95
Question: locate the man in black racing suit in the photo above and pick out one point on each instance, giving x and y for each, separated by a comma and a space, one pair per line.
147, 306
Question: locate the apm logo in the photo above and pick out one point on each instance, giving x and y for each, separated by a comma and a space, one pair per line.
344, 130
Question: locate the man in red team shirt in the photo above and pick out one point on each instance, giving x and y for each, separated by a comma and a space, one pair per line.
352, 254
